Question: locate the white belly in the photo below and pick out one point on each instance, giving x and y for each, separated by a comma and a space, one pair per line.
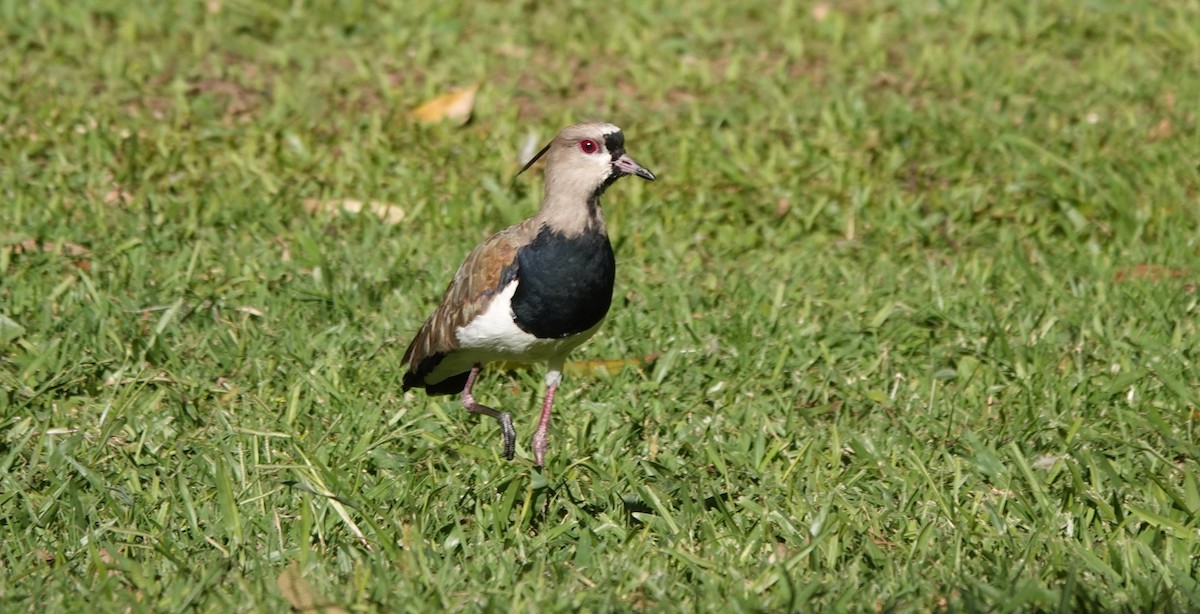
493, 337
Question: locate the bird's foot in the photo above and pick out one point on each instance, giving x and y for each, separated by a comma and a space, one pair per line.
540, 437
510, 434
503, 417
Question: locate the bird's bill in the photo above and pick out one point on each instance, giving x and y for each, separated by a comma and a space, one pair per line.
627, 166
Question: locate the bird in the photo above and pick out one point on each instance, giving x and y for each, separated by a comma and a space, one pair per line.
534, 291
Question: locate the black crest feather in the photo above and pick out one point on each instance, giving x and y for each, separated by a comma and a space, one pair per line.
534, 159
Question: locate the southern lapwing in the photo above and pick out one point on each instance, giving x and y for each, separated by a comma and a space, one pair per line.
534, 291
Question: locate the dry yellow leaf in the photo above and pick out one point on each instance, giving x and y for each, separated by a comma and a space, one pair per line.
302, 595
454, 106
386, 212
599, 367
80, 256
68, 248
591, 368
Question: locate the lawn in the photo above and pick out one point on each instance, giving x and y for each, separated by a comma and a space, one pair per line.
908, 322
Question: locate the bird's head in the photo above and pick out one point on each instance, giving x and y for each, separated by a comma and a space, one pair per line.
583, 160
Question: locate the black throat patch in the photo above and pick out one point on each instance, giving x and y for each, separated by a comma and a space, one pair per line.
565, 284
615, 144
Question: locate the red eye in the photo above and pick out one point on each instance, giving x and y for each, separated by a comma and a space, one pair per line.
588, 146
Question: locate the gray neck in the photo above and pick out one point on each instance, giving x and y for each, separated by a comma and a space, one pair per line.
571, 207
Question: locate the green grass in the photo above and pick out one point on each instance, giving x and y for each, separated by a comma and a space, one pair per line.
923, 277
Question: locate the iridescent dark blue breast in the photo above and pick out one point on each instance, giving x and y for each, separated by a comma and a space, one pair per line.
565, 284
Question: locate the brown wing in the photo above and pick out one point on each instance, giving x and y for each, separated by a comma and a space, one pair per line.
484, 273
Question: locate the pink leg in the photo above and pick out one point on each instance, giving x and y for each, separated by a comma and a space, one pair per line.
543, 429
503, 417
